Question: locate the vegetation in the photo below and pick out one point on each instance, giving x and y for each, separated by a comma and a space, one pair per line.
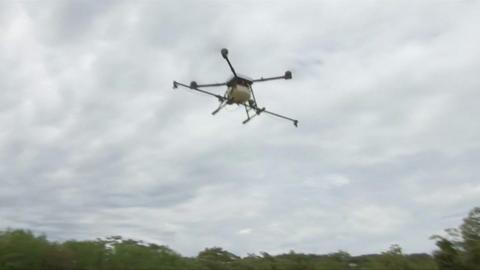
460, 249
20, 249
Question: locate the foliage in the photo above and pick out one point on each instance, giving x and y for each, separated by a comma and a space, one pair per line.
460, 249
23, 250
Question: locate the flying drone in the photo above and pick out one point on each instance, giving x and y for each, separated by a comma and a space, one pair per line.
239, 91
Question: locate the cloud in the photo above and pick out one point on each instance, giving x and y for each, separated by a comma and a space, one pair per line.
94, 142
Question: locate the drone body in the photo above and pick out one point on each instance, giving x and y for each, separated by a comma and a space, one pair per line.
239, 91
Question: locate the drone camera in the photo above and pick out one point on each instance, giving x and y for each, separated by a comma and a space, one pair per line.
288, 75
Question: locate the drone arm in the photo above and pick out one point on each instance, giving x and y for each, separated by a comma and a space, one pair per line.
225, 56
195, 87
286, 76
295, 122
212, 84
263, 110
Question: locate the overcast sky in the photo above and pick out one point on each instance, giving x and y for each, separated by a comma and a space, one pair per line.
94, 141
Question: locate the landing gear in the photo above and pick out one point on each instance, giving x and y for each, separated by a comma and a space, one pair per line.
252, 105
247, 109
221, 106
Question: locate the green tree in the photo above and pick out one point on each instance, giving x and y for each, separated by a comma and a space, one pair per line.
58, 257
217, 258
22, 250
470, 232
87, 255
393, 259
217, 254
448, 255
339, 260
133, 254
460, 249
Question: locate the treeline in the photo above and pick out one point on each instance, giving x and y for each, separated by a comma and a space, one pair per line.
21, 249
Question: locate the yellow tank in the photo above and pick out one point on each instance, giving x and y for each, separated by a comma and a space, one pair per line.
238, 93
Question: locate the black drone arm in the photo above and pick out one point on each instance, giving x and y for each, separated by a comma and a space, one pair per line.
263, 110
211, 84
225, 56
194, 86
286, 76
295, 122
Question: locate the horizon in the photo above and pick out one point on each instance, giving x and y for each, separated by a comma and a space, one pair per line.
242, 256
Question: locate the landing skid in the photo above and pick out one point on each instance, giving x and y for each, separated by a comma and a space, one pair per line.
221, 106
252, 107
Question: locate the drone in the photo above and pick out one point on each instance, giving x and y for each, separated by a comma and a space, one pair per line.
239, 91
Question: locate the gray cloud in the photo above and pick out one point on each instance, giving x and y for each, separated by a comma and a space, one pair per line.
94, 142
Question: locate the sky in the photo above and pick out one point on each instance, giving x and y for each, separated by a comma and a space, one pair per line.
95, 142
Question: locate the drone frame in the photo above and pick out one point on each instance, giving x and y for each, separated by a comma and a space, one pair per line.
251, 104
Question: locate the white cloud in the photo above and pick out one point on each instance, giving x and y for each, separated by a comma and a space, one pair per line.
451, 195
245, 231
